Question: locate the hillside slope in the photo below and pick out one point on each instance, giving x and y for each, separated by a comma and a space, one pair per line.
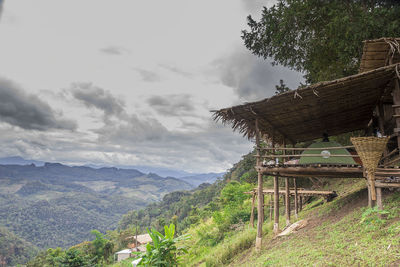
13, 249
343, 232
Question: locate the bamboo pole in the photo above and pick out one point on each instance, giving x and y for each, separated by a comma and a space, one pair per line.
309, 155
260, 215
296, 207
369, 196
396, 101
379, 198
301, 203
306, 148
276, 199
287, 195
271, 208
287, 201
252, 209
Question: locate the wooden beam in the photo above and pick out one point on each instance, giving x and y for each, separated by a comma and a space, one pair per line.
303, 192
309, 155
260, 209
387, 185
307, 148
328, 172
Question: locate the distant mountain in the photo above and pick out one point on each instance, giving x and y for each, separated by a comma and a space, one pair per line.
57, 205
198, 179
162, 171
20, 161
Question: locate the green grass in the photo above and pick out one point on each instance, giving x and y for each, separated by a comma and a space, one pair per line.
363, 237
123, 263
340, 233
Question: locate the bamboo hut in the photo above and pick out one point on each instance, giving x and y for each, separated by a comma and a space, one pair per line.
364, 101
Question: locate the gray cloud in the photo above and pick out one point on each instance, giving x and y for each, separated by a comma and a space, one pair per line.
172, 105
251, 77
176, 70
96, 97
114, 50
131, 130
148, 76
28, 111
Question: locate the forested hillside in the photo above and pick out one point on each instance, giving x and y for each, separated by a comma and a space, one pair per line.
13, 249
57, 205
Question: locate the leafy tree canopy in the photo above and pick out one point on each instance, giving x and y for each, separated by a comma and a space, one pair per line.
321, 38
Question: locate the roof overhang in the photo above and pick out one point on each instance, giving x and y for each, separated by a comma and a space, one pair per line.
380, 52
334, 107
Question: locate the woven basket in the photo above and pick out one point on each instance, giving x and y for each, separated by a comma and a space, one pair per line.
370, 150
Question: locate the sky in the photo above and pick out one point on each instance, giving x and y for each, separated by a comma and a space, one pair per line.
122, 82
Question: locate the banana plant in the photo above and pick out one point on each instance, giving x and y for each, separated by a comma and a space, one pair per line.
163, 251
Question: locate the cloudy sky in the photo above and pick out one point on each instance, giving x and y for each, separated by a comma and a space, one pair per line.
122, 82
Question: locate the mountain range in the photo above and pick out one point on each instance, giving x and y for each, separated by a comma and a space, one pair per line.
55, 205
162, 171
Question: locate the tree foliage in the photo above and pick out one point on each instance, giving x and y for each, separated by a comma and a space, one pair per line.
321, 38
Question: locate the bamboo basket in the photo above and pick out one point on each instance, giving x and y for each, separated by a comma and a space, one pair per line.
370, 150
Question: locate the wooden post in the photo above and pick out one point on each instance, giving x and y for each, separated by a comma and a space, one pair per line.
301, 203
370, 204
287, 201
270, 208
296, 206
379, 198
253, 197
276, 198
396, 101
260, 209
287, 194
276, 204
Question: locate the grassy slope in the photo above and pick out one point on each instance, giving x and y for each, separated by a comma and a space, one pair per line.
340, 233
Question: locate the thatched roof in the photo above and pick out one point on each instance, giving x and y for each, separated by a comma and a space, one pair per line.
380, 52
335, 107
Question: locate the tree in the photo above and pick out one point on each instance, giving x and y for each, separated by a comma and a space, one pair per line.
74, 258
321, 38
281, 88
103, 247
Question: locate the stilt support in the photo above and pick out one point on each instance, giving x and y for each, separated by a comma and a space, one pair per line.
379, 198
252, 209
287, 201
276, 205
296, 206
260, 208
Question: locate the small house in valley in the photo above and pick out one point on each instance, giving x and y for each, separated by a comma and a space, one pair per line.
123, 254
136, 243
